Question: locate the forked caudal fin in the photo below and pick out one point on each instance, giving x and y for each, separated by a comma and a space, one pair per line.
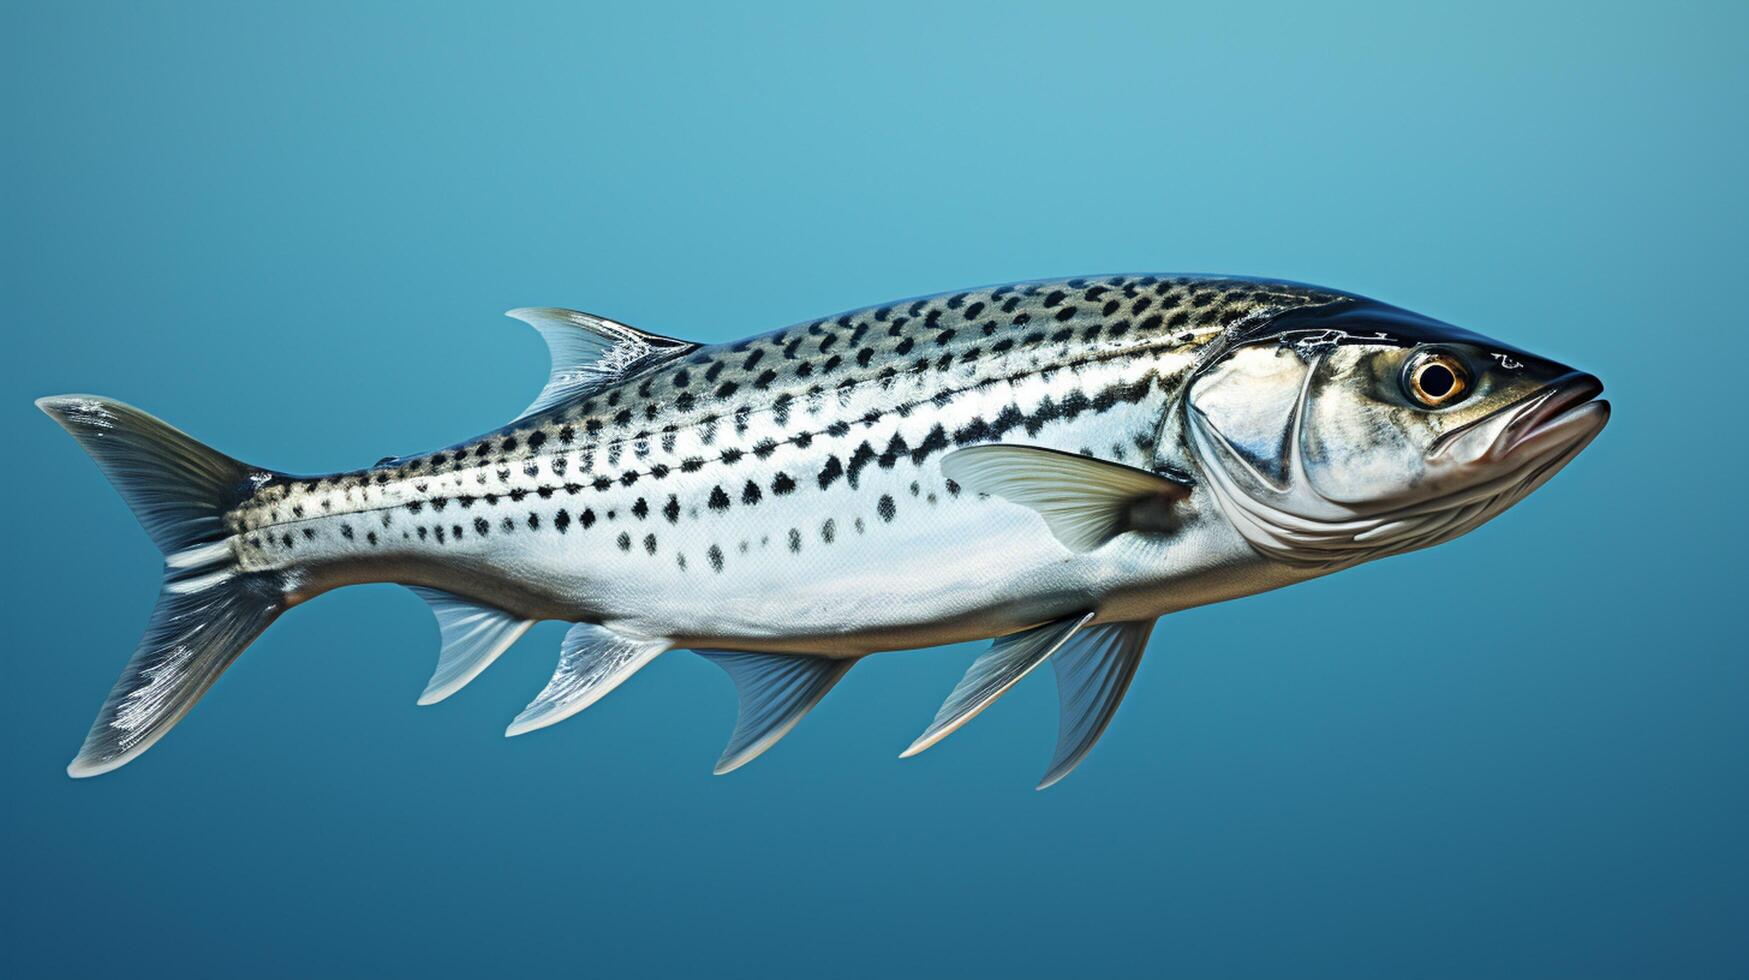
208, 609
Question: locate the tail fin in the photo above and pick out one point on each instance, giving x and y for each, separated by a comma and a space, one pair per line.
208, 609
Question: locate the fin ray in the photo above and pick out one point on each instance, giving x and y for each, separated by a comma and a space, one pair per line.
589, 351
593, 660
208, 608
990, 676
474, 635
1094, 670
1085, 501
179, 489
776, 690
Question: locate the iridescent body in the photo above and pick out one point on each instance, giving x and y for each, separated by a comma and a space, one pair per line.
1055, 464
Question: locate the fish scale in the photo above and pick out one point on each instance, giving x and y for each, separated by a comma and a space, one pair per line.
823, 404
1028, 461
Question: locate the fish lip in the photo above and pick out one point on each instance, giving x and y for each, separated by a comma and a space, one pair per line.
1531, 415
1565, 399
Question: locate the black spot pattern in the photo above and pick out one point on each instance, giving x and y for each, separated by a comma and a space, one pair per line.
951, 345
830, 472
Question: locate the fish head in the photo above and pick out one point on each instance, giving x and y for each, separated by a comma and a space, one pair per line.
1349, 432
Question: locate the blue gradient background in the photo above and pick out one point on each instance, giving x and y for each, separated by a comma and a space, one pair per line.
291, 229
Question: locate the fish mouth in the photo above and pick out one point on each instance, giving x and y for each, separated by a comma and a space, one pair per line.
1567, 411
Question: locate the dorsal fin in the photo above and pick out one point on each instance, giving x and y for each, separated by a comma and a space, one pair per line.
776, 690
589, 352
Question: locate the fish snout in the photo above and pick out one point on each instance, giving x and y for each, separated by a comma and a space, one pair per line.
1563, 410
1566, 412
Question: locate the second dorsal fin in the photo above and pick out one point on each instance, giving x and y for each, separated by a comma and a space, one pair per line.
589, 352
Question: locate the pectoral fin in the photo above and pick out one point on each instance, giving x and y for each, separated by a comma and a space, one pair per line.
1085, 501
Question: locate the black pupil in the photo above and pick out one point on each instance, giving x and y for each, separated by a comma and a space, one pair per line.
1437, 380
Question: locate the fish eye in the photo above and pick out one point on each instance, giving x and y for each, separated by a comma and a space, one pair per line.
1434, 379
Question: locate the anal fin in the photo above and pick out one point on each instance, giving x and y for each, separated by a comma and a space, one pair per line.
1094, 670
990, 676
474, 634
776, 690
593, 660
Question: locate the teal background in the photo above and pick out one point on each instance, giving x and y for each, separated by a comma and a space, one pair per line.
291, 229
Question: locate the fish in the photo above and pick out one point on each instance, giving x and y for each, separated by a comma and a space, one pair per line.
1052, 465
